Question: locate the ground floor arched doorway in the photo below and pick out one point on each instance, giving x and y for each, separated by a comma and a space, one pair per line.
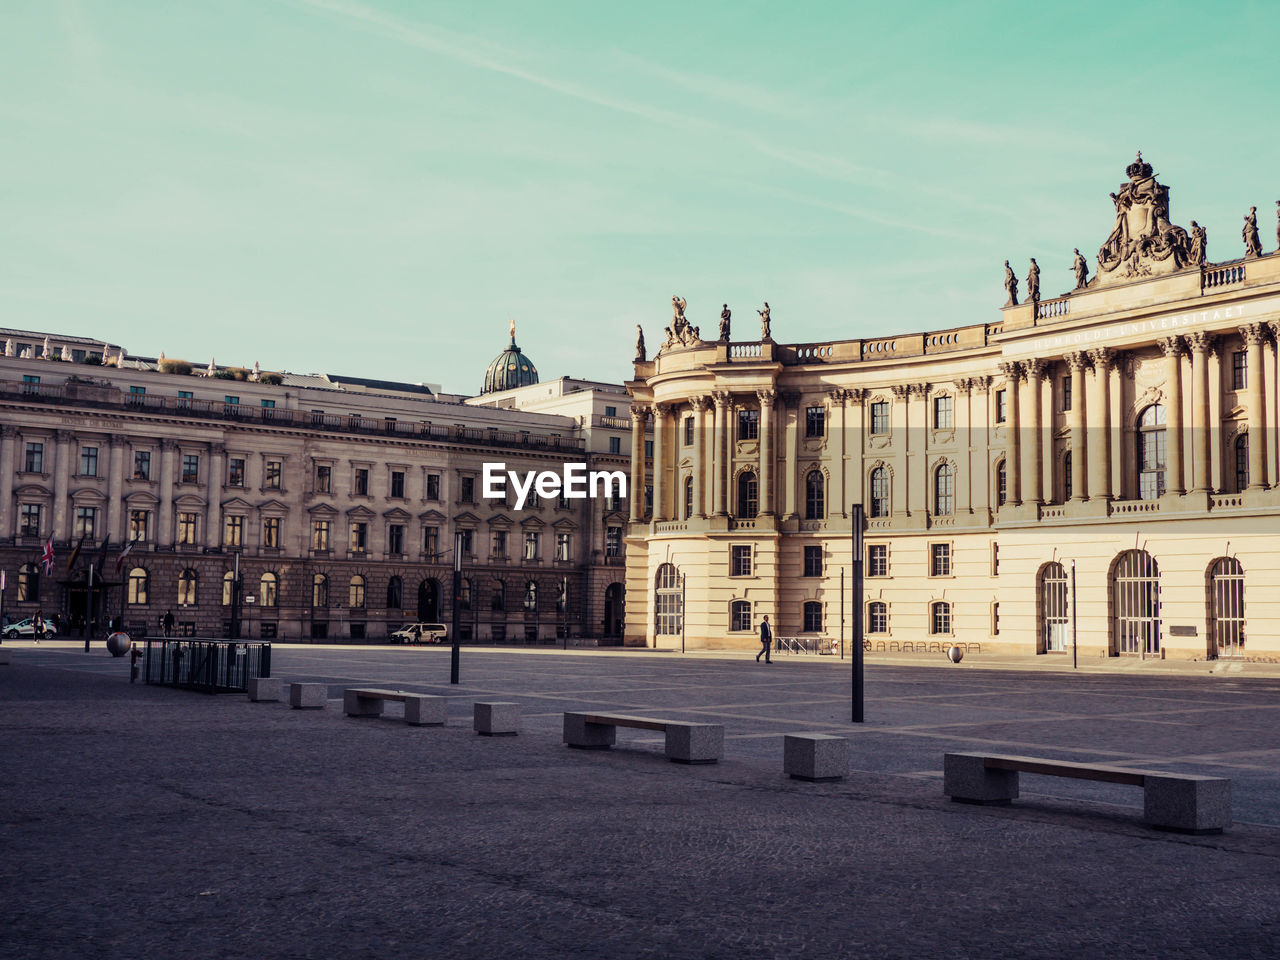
613, 611
429, 601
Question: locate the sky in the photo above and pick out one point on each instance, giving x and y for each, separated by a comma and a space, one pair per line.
375, 189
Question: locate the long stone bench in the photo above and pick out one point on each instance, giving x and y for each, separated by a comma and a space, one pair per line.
420, 709
1171, 801
685, 742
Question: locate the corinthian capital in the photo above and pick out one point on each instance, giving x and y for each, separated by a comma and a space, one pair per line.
1170, 346
1077, 360
1012, 370
1101, 358
766, 397
1254, 333
1200, 342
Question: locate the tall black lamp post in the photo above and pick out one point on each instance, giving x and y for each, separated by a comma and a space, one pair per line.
856, 641
457, 605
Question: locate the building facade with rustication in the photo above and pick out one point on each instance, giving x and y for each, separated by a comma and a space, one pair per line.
1097, 469
338, 497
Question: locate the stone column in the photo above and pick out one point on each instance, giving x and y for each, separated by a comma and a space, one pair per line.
660, 411
164, 528
964, 445
62, 468
836, 422
721, 459
1035, 437
707, 456
1172, 347
1076, 363
695, 456
115, 488
1012, 371
213, 487
1253, 335
1099, 432
638, 414
899, 426
1201, 457
791, 440
8, 509
766, 398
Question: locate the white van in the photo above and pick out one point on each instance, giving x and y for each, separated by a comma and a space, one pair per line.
416, 633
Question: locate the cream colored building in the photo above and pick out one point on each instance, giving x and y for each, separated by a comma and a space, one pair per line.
1125, 431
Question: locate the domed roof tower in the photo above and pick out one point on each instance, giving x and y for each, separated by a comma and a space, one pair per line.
509, 369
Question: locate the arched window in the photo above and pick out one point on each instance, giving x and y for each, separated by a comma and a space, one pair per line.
668, 601
815, 506
940, 618
268, 590
740, 615
1226, 608
187, 583
877, 617
748, 495
879, 492
1151, 452
1066, 476
355, 591
812, 616
1053, 608
228, 587
29, 583
1242, 462
1002, 484
497, 596
944, 490
688, 498
137, 586
320, 590
531, 596
1135, 602
395, 594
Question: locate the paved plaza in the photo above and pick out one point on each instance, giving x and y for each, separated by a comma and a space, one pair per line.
138, 821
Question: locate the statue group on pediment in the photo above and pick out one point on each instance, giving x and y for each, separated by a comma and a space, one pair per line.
681, 333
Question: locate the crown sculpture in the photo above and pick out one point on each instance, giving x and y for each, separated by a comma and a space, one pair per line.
1143, 243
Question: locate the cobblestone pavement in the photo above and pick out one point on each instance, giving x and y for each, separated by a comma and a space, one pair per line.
145, 822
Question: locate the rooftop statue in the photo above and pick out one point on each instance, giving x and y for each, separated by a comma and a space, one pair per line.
1081, 267
8, 347
677, 308
764, 322
1010, 285
1033, 282
1199, 244
1249, 233
725, 314
640, 353
1143, 242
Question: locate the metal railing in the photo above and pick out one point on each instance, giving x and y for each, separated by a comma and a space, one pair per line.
209, 666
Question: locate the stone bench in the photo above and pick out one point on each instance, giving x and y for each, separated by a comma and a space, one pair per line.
266, 689
308, 696
686, 742
815, 756
4, 658
493, 719
1171, 801
420, 709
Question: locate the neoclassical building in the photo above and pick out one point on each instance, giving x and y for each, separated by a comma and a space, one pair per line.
338, 499
1115, 446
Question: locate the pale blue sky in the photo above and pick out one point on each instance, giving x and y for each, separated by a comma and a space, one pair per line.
373, 188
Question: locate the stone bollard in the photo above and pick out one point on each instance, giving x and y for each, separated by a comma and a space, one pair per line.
496, 719
308, 696
815, 756
265, 689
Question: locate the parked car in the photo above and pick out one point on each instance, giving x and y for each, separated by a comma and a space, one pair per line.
25, 628
420, 633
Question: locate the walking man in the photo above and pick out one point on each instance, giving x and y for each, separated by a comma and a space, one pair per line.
766, 640
167, 623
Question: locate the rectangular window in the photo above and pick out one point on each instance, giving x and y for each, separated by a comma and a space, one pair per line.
359, 536
361, 486
185, 395
234, 401
88, 461
877, 617
187, 529
880, 417
813, 561
531, 545
498, 545
397, 484
613, 542
610, 411
995, 619
815, 421
433, 486
688, 431
1240, 370
190, 468
740, 565
740, 615
319, 534
877, 560
86, 522
233, 532
1067, 382
30, 378
430, 541
813, 617
137, 391
139, 525
272, 474
235, 471
943, 413
748, 424
35, 458
1002, 406
468, 543
324, 478
995, 559
395, 539
940, 620
468, 488
563, 546
648, 449
271, 532
142, 464
29, 520
267, 404
939, 559
615, 444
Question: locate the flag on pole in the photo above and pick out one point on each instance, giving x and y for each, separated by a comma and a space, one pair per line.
47, 557
124, 553
102, 554
75, 554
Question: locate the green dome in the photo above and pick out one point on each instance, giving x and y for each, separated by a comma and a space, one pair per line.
509, 369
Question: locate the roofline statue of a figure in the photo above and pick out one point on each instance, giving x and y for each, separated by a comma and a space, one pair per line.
1143, 242
1010, 285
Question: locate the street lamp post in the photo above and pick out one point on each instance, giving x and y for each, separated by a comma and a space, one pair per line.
457, 611
855, 642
